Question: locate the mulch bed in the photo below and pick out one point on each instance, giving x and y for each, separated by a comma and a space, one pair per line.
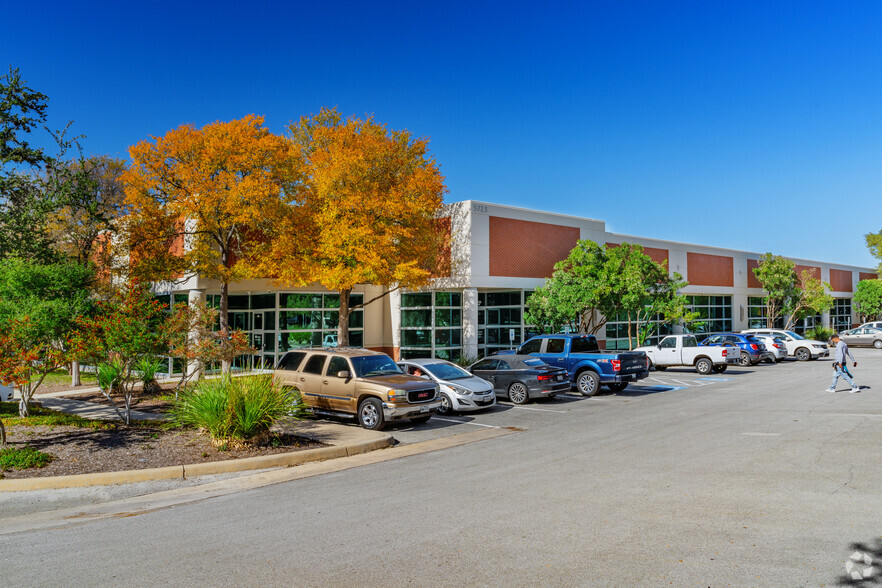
144, 401
82, 450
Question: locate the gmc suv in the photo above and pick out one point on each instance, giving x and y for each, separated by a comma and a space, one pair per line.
357, 383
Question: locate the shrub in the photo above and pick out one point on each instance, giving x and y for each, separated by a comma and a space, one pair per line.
235, 408
820, 333
22, 458
147, 367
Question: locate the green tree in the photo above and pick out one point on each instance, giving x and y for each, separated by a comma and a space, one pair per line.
571, 297
39, 309
874, 244
812, 297
868, 298
777, 276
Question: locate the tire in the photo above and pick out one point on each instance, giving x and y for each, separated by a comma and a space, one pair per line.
877, 343
420, 419
370, 414
660, 368
704, 366
719, 369
588, 383
779, 359
446, 405
518, 394
745, 359
617, 386
803, 354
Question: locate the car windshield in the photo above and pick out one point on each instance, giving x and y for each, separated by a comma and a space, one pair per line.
533, 362
374, 365
795, 336
446, 371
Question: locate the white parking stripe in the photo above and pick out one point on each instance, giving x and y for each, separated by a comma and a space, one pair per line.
539, 409
437, 418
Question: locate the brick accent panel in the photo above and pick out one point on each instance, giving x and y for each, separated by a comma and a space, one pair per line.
840, 280
710, 270
752, 280
869, 276
526, 249
657, 255
393, 352
816, 271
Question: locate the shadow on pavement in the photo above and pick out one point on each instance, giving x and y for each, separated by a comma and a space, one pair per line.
863, 566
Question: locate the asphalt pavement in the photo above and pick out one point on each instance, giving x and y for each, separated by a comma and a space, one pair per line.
753, 477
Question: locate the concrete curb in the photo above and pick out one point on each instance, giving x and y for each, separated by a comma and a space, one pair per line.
199, 469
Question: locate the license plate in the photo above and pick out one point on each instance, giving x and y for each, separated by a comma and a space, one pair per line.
560, 378
424, 409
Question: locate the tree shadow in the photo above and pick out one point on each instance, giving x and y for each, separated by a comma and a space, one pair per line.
91, 439
863, 566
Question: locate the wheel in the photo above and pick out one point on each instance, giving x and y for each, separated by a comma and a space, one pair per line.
588, 383
370, 414
446, 405
421, 419
719, 369
745, 359
518, 394
704, 366
877, 343
660, 368
803, 354
617, 386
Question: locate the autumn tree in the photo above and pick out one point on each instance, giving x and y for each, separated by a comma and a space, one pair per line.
369, 213
874, 244
777, 276
200, 199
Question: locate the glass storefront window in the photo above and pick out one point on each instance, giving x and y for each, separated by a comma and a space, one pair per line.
431, 324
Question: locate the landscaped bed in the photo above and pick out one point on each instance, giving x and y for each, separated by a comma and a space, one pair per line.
80, 446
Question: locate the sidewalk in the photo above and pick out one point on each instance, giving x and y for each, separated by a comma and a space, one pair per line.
93, 410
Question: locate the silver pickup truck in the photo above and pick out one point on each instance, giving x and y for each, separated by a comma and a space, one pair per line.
677, 350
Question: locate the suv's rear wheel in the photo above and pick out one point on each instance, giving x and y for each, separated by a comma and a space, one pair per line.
745, 359
518, 394
370, 414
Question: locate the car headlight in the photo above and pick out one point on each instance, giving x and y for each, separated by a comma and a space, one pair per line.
459, 389
397, 394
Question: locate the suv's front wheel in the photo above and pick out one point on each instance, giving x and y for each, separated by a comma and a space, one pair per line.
370, 414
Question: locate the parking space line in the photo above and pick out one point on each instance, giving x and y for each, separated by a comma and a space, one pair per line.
539, 409
437, 418
687, 384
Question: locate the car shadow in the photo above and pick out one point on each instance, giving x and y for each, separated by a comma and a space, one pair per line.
862, 566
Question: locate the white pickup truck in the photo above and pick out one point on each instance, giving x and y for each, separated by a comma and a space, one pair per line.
684, 350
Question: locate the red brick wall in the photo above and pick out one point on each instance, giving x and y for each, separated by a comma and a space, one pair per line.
816, 271
752, 281
655, 254
709, 270
840, 280
525, 249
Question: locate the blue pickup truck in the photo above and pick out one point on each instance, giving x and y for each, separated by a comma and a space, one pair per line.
587, 366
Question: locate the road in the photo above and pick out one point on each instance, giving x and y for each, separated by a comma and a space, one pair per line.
753, 477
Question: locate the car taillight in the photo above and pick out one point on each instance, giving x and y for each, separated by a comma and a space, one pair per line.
776, 346
542, 377
725, 352
617, 364
754, 346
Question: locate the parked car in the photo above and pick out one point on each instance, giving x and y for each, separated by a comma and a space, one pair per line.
863, 337
797, 346
460, 390
588, 367
776, 349
521, 378
676, 350
752, 350
358, 383
873, 325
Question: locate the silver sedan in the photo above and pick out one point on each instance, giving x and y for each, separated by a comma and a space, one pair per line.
863, 337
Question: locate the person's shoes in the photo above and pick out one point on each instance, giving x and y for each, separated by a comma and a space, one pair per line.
855, 389
830, 390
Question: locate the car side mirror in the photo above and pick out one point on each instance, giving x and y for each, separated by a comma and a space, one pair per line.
343, 374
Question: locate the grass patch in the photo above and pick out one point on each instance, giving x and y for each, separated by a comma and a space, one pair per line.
22, 458
44, 417
62, 377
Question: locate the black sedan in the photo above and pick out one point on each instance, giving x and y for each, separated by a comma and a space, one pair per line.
521, 378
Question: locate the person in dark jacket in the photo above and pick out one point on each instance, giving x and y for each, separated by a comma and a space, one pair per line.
839, 365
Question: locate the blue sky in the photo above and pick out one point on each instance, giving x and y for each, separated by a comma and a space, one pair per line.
751, 125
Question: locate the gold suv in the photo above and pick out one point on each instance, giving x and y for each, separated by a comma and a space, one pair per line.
357, 382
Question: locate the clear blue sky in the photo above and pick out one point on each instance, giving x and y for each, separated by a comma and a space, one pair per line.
752, 125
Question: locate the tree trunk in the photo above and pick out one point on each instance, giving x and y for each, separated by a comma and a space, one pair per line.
2, 435
75, 374
23, 410
343, 324
630, 339
224, 316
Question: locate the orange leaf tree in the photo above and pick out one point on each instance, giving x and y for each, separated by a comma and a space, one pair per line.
200, 198
369, 199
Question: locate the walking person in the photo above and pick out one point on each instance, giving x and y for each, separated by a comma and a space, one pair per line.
839, 365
